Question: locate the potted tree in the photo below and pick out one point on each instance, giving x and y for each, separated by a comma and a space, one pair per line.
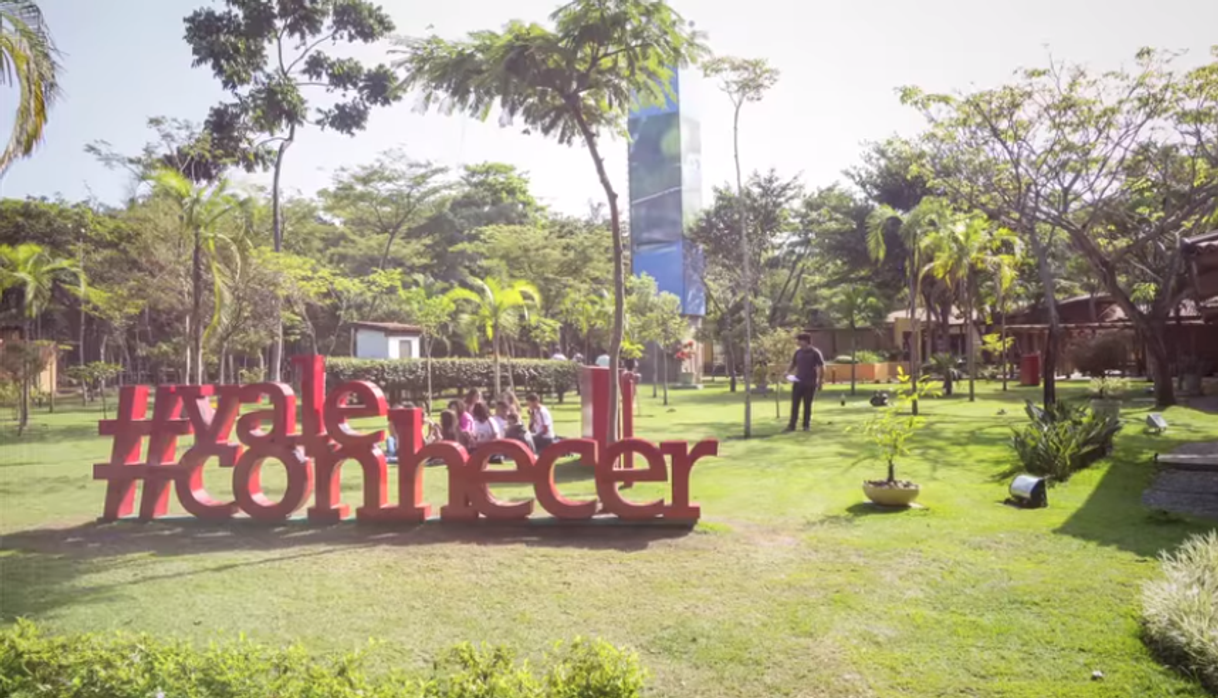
1106, 393
890, 429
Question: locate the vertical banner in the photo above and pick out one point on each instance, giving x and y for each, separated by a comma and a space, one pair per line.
665, 196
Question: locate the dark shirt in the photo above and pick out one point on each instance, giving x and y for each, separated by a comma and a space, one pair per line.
806, 363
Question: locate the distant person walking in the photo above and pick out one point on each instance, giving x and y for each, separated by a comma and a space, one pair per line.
808, 369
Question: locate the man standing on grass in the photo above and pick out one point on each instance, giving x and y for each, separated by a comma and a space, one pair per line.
808, 368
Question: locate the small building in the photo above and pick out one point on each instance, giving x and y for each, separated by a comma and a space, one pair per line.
386, 340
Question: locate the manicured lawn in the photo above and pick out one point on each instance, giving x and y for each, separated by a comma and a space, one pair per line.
789, 587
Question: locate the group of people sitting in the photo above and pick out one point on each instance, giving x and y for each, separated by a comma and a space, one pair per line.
473, 422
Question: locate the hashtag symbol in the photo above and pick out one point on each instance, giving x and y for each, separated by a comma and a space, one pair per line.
125, 469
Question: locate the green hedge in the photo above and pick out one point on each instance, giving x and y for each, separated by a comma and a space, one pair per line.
34, 665
408, 377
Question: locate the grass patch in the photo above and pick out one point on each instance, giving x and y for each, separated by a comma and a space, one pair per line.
788, 587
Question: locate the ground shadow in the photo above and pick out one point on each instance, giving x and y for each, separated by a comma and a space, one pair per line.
1114, 514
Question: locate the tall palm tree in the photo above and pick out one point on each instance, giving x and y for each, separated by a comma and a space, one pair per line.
35, 273
490, 310
912, 229
200, 209
27, 61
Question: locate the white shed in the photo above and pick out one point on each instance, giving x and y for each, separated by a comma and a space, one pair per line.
387, 340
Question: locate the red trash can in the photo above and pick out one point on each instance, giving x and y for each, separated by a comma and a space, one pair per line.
1029, 369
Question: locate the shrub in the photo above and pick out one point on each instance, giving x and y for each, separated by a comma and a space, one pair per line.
1180, 610
1108, 388
1063, 439
123, 666
1104, 353
863, 356
409, 376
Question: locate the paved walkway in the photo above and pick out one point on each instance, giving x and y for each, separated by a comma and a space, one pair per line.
1192, 491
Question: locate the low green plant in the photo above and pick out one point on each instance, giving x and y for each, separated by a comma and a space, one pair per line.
130, 666
1098, 356
863, 356
1180, 609
1108, 388
1063, 439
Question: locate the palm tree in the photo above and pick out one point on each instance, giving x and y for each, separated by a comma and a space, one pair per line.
958, 250
912, 229
491, 310
27, 59
35, 273
574, 81
857, 306
200, 208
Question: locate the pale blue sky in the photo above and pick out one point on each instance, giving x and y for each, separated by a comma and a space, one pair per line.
840, 61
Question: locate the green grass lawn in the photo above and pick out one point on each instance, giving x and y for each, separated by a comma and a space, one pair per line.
790, 586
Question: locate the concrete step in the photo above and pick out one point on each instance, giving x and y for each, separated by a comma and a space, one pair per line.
1187, 461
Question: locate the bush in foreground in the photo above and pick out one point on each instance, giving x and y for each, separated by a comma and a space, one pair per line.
33, 664
1180, 611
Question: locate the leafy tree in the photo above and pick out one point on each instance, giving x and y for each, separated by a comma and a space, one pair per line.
186, 147
200, 209
770, 202
655, 318
491, 310
386, 198
575, 82
433, 314
24, 361
590, 312
856, 306
28, 58
35, 273
1122, 163
958, 251
743, 80
913, 229
266, 54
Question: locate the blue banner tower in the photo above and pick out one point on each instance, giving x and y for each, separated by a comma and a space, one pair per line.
665, 196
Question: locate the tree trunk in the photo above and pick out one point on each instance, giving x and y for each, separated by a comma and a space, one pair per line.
277, 234
915, 337
619, 270
495, 353
1002, 335
969, 331
186, 374
1160, 357
655, 373
196, 306
665, 368
1045, 270
747, 280
853, 359
428, 341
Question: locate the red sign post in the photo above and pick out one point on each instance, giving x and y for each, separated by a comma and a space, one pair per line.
314, 455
